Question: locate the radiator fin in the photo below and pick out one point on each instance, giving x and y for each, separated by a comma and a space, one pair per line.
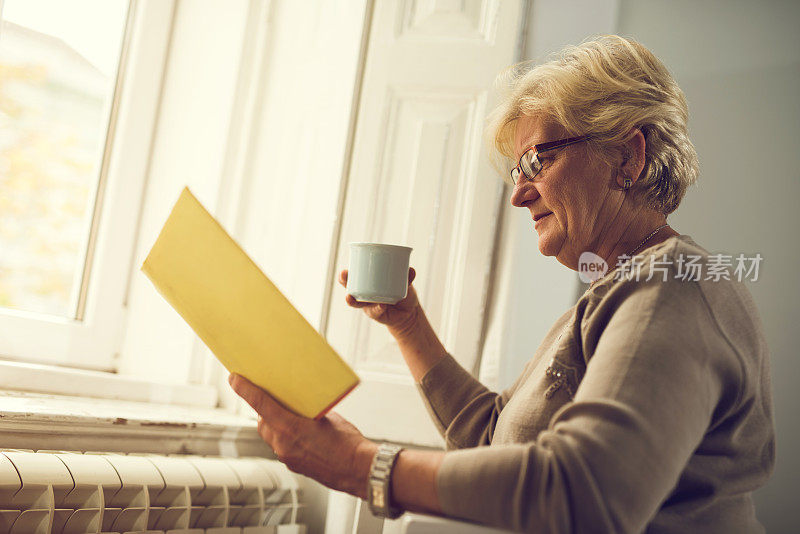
63, 492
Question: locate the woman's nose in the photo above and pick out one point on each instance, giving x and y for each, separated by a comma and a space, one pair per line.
523, 192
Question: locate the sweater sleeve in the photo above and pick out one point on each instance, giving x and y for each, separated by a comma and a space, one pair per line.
610, 458
463, 409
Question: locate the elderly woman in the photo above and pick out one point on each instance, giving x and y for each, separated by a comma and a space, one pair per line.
647, 405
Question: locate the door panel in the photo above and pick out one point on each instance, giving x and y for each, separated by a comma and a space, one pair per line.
419, 177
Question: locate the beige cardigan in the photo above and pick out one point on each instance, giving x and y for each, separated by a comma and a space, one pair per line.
655, 415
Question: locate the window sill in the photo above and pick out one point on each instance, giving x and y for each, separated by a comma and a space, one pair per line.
54, 422
49, 379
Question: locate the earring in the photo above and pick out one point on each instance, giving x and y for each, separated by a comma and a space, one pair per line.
626, 183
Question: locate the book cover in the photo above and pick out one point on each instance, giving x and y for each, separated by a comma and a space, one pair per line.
249, 325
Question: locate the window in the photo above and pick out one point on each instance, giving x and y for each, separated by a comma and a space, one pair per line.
59, 73
77, 85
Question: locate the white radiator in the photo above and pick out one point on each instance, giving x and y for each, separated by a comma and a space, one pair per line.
74, 493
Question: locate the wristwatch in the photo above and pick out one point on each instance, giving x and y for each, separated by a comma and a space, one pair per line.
379, 486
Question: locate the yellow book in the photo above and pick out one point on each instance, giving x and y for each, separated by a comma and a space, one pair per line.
239, 313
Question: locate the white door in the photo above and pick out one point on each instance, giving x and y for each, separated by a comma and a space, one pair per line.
419, 176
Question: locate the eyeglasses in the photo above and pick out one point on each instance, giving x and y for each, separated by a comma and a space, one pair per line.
529, 164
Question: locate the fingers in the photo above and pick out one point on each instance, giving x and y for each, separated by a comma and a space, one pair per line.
375, 311
251, 393
265, 431
277, 426
351, 301
411, 274
261, 401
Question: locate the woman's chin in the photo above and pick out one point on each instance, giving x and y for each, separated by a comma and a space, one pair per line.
547, 245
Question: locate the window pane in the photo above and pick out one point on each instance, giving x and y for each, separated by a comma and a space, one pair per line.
58, 71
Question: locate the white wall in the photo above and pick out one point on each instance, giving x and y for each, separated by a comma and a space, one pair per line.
739, 64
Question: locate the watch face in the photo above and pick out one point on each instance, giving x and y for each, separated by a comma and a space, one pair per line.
378, 496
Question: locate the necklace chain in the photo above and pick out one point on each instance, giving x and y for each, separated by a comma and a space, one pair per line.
646, 239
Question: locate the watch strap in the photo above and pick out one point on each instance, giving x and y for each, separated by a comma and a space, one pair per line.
379, 489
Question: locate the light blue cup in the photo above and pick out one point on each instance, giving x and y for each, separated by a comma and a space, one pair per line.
378, 272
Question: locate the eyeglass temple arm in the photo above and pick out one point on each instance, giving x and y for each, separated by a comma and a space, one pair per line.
561, 142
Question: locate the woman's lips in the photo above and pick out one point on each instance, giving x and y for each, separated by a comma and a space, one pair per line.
538, 221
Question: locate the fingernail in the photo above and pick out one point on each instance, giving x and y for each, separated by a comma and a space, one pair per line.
231, 378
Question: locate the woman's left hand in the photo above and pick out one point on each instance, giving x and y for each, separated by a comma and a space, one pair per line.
329, 450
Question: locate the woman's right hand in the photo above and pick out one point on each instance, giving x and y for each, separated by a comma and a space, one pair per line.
400, 317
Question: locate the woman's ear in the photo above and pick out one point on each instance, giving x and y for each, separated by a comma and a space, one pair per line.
632, 163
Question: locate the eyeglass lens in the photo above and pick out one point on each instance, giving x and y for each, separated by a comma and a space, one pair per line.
528, 165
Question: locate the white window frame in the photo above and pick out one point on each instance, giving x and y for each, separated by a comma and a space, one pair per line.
93, 341
67, 391
82, 360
